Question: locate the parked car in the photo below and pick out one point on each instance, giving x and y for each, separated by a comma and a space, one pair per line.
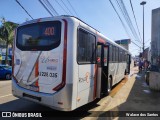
5, 72
9, 59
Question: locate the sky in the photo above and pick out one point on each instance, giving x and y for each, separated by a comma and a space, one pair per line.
97, 13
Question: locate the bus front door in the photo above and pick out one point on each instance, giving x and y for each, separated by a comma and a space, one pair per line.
102, 61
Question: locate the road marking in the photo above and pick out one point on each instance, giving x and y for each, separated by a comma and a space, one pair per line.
5, 96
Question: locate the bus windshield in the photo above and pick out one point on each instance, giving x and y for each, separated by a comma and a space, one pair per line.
39, 36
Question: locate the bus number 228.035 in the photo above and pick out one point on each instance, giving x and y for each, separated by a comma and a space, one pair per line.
46, 74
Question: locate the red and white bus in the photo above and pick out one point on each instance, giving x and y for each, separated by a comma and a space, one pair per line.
63, 63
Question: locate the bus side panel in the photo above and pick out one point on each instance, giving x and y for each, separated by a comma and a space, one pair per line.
117, 70
72, 67
85, 84
120, 71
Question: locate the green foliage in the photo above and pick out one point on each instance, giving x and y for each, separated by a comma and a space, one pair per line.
7, 33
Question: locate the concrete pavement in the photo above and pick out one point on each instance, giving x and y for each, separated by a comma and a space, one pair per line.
134, 96
6, 91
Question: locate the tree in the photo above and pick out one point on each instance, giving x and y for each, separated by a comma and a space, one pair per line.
7, 34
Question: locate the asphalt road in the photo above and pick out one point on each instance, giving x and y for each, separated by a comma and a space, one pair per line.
131, 94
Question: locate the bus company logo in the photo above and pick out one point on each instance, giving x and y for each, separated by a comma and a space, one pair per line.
48, 60
53, 60
52, 68
87, 78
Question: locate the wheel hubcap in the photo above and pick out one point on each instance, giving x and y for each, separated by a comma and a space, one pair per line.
8, 76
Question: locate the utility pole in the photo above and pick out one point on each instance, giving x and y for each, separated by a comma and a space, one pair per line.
143, 3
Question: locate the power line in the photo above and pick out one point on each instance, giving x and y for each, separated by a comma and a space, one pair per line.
61, 6
51, 7
23, 8
124, 15
121, 10
73, 8
121, 21
66, 7
120, 18
46, 8
47, 5
127, 18
135, 19
135, 44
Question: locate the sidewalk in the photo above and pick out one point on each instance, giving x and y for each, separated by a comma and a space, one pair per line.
135, 95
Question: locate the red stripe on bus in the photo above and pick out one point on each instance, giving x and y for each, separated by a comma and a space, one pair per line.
13, 62
36, 73
36, 68
95, 81
62, 84
13, 53
101, 40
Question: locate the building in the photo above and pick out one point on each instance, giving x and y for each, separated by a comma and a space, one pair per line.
155, 36
124, 43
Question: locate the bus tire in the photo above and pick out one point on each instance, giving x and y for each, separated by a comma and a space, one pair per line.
125, 73
8, 76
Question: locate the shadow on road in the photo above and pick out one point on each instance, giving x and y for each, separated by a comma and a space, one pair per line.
3, 79
140, 100
21, 105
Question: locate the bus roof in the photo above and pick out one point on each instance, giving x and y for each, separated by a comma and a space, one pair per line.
68, 16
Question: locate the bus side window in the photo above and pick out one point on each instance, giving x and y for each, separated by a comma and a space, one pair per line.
86, 53
114, 53
110, 53
120, 55
124, 56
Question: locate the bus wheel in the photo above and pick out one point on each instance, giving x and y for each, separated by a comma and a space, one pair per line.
125, 73
109, 84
